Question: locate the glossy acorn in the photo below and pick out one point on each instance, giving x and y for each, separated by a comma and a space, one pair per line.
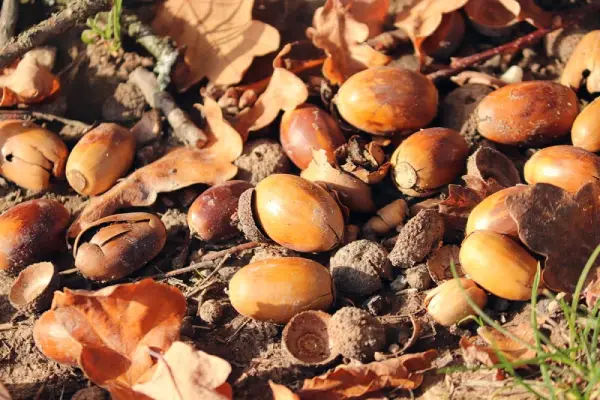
534, 113
498, 264
427, 160
447, 303
308, 128
100, 158
387, 100
32, 157
31, 232
277, 289
492, 214
567, 167
210, 215
298, 214
115, 246
586, 128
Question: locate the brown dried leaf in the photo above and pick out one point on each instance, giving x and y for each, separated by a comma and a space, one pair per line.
372, 13
184, 373
180, 168
285, 92
486, 163
114, 327
440, 262
528, 10
222, 138
342, 37
219, 36
365, 160
585, 58
563, 227
353, 381
509, 347
29, 83
281, 392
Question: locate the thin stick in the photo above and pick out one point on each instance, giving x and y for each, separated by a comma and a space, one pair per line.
7, 326
181, 271
231, 250
68, 271
8, 20
213, 273
55, 25
238, 330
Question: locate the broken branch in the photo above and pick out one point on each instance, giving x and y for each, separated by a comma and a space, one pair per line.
8, 20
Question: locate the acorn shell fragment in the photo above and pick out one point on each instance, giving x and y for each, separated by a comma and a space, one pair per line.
306, 339
33, 289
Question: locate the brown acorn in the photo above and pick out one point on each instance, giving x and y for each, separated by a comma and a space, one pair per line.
492, 214
586, 128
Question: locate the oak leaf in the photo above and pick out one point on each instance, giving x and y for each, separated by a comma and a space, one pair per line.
561, 226
222, 137
353, 381
342, 37
219, 36
372, 13
184, 373
114, 327
180, 168
281, 392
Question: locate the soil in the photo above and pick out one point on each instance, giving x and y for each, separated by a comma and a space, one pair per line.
95, 89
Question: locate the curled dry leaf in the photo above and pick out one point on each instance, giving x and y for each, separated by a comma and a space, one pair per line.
281, 392
219, 36
342, 37
108, 332
492, 17
30, 82
184, 373
180, 168
440, 262
365, 160
568, 238
585, 58
372, 13
222, 138
353, 381
285, 92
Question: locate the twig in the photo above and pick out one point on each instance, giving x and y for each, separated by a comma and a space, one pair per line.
7, 326
69, 271
182, 126
238, 330
8, 20
58, 23
80, 128
231, 250
205, 280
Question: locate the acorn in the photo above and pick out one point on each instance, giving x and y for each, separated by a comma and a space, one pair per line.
586, 128
567, 167
307, 128
298, 214
387, 100
115, 246
100, 158
388, 217
428, 160
33, 289
447, 304
305, 339
534, 113
31, 232
447, 37
32, 157
490, 17
492, 214
276, 289
498, 264
210, 215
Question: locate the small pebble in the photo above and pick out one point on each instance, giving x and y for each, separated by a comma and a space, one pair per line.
418, 277
374, 305
400, 283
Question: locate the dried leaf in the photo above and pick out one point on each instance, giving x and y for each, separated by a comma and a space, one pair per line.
180, 168
486, 163
115, 326
585, 58
372, 13
365, 160
509, 347
281, 392
440, 262
222, 138
285, 92
4, 395
29, 83
342, 37
528, 10
184, 373
219, 36
353, 381
423, 18
563, 227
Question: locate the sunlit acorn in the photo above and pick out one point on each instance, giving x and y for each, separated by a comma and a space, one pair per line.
30, 232
490, 17
447, 37
533, 113
32, 157
447, 304
567, 167
498, 264
308, 128
305, 339
100, 158
492, 214
387, 100
115, 246
276, 289
210, 215
427, 160
586, 128
33, 289
298, 214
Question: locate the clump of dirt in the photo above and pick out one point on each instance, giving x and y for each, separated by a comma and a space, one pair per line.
421, 234
418, 277
272, 251
127, 103
356, 334
261, 158
459, 104
212, 311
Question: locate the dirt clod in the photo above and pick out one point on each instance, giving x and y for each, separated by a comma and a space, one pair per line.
261, 158
418, 277
356, 334
272, 251
418, 238
126, 104
212, 311
457, 106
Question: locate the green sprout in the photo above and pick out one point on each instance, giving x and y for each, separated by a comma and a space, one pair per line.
105, 28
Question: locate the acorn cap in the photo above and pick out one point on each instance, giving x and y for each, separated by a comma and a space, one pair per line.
245, 214
305, 339
33, 289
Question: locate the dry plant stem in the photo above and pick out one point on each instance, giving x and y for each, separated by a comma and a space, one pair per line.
238, 330
58, 23
203, 284
160, 47
8, 20
182, 126
231, 250
81, 128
